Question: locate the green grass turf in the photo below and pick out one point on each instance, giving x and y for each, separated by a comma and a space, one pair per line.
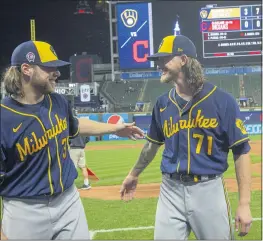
111, 166
141, 213
255, 137
96, 143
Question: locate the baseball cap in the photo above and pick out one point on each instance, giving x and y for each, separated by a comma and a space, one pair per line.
37, 53
175, 46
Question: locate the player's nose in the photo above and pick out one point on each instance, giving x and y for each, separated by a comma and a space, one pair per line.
56, 73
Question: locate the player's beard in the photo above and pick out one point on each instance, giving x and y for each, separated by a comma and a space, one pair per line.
168, 76
49, 87
43, 85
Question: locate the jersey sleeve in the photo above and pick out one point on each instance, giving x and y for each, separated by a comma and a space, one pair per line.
73, 123
241, 149
234, 127
155, 133
2, 165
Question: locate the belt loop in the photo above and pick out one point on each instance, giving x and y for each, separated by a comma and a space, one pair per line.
195, 178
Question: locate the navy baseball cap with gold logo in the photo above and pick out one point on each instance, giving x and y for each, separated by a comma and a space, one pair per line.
36, 53
175, 46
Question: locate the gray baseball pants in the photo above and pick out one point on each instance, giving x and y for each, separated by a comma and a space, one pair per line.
201, 207
46, 218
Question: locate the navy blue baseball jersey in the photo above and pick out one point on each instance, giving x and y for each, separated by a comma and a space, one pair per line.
34, 147
197, 134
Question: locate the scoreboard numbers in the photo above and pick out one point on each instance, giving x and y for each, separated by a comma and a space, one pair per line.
246, 11
236, 34
257, 24
246, 24
257, 11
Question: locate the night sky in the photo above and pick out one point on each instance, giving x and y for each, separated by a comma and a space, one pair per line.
70, 34
55, 24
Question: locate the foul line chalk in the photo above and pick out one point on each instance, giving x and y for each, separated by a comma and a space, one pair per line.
94, 232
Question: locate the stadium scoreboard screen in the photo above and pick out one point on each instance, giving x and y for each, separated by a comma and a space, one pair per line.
231, 31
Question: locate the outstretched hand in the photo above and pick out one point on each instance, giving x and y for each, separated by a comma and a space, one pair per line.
243, 220
128, 188
129, 130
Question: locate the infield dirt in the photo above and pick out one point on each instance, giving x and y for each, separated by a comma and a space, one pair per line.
152, 189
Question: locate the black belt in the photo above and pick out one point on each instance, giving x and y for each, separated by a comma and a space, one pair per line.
190, 177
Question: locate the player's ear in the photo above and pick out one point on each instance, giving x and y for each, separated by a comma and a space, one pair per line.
26, 69
184, 60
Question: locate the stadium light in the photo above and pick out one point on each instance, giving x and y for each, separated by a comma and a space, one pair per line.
83, 7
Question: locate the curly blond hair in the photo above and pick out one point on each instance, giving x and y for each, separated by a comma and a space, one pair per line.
193, 72
12, 81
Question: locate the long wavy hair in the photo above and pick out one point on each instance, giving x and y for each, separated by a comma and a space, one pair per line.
194, 75
12, 81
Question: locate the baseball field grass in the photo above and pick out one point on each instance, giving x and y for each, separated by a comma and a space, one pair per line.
115, 219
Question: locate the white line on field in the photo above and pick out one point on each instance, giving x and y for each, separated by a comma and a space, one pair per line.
91, 234
94, 232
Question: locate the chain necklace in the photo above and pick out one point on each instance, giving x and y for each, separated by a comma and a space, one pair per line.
198, 90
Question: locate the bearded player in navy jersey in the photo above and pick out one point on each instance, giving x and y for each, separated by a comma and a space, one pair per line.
198, 124
40, 200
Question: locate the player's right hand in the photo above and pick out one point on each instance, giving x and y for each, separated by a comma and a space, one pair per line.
129, 130
128, 187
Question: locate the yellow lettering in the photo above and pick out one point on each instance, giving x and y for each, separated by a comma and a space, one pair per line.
65, 124
35, 144
213, 123
24, 151
49, 134
191, 123
209, 145
165, 129
206, 123
42, 141
60, 124
53, 131
65, 146
200, 143
169, 129
200, 121
199, 118
183, 124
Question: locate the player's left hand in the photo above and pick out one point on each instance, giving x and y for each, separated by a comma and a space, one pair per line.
3, 237
129, 130
243, 220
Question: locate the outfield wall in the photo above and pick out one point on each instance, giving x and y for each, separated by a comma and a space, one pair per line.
252, 120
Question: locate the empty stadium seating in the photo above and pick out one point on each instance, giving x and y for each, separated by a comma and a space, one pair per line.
253, 87
124, 95
154, 88
229, 83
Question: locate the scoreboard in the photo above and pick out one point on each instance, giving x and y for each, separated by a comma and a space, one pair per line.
231, 31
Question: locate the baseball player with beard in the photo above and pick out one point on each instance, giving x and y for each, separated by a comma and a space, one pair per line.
40, 200
199, 124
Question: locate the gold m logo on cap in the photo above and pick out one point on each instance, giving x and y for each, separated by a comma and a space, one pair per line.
166, 45
129, 17
180, 50
45, 51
